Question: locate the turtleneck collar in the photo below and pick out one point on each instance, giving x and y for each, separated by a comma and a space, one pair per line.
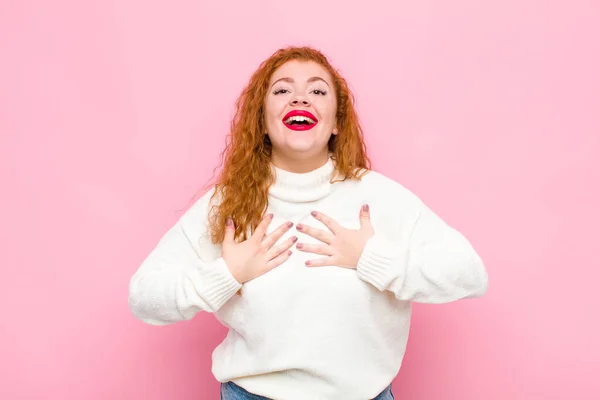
303, 187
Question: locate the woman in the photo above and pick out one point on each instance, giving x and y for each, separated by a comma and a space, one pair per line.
310, 259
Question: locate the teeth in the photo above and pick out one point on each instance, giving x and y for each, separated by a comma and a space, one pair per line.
299, 118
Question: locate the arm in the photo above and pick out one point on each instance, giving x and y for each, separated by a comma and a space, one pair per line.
182, 275
427, 261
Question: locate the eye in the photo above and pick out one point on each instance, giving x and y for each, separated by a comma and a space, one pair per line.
278, 91
319, 92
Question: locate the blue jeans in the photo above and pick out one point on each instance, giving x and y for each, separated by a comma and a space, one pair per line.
231, 391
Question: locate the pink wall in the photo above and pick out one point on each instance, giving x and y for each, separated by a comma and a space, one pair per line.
112, 114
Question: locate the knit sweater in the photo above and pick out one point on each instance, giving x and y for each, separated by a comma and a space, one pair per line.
318, 333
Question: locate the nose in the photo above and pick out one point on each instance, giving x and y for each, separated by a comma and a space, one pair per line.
304, 102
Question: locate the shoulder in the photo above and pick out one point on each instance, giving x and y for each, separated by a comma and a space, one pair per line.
194, 224
389, 190
197, 213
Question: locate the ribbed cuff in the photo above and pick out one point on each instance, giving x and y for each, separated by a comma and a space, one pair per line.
375, 264
220, 284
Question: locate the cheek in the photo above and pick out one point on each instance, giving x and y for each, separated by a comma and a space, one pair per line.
274, 108
327, 109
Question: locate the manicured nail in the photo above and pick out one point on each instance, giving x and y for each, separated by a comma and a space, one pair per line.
270, 216
299, 245
314, 213
229, 222
290, 224
299, 227
307, 263
366, 208
295, 239
289, 252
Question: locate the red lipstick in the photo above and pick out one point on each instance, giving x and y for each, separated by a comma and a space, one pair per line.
303, 124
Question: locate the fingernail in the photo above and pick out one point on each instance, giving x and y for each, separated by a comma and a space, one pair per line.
366, 208
295, 239
289, 252
314, 213
270, 216
299, 227
307, 263
290, 224
299, 245
229, 222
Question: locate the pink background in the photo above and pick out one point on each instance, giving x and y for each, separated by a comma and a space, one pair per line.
112, 117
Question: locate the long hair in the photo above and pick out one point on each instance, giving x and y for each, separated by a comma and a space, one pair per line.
242, 187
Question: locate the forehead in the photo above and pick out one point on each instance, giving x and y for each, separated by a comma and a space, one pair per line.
300, 71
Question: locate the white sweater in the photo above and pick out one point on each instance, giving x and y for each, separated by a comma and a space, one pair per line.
299, 332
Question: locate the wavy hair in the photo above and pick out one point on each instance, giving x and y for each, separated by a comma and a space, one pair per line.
244, 181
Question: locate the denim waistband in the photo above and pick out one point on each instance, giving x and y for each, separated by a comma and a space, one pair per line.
231, 391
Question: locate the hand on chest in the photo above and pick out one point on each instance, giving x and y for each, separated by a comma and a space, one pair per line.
328, 236
305, 219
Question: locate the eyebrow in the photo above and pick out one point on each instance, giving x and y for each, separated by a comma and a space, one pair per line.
310, 80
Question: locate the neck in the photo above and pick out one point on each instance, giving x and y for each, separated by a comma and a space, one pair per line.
299, 164
300, 187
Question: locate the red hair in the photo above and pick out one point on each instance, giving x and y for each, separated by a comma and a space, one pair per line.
242, 187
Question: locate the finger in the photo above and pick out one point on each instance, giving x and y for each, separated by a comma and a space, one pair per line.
280, 259
261, 229
320, 262
274, 236
327, 221
276, 250
314, 248
323, 236
228, 238
365, 216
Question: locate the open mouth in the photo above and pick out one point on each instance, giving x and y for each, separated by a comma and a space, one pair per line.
299, 120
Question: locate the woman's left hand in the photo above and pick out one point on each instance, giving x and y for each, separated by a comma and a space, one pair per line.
341, 247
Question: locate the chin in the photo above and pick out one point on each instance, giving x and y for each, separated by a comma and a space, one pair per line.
303, 145
300, 150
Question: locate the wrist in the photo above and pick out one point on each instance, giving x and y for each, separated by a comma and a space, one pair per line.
235, 272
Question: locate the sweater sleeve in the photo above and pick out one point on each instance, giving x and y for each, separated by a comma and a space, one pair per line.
182, 275
425, 261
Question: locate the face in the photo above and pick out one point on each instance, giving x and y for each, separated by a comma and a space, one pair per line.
300, 110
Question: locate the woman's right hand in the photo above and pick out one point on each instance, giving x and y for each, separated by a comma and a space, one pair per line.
256, 255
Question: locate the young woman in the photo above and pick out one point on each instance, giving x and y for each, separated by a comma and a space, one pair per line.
311, 259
